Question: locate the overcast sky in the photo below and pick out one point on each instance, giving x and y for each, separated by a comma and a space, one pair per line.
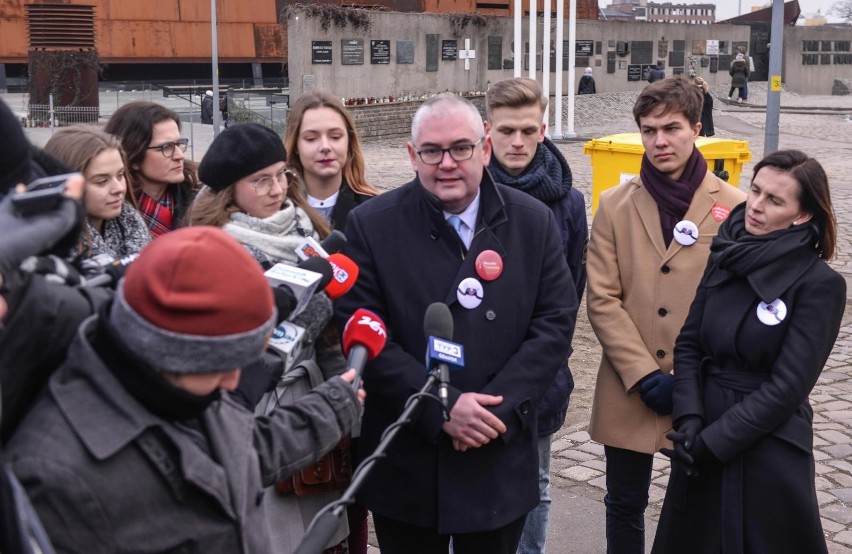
726, 9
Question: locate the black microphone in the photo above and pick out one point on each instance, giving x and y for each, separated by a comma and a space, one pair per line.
438, 326
334, 242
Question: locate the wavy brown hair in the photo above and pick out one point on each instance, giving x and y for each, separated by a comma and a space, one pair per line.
353, 170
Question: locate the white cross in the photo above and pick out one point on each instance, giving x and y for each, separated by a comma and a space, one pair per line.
467, 54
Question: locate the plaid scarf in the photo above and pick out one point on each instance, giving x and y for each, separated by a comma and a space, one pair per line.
157, 213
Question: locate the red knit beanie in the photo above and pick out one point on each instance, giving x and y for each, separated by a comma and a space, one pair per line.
194, 301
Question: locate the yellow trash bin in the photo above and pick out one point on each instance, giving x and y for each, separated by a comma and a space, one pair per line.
617, 158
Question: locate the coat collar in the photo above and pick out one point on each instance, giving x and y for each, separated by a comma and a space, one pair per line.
699, 210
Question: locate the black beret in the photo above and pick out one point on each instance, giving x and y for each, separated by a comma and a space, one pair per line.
16, 154
238, 151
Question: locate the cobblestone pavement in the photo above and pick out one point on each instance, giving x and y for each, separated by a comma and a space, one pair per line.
578, 462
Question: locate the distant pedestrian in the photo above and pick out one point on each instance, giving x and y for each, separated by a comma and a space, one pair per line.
657, 73
739, 78
223, 107
707, 129
207, 108
587, 83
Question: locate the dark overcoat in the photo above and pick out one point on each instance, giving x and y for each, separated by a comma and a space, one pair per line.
514, 342
750, 383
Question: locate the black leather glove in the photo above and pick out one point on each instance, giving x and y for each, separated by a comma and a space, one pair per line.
655, 389
684, 438
256, 379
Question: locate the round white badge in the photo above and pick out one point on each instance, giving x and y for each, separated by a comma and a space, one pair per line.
686, 232
470, 293
772, 314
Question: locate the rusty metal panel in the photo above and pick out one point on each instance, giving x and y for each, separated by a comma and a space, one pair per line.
136, 39
13, 39
156, 11
269, 41
12, 9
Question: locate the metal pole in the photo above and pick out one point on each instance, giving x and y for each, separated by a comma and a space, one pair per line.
191, 126
773, 95
50, 111
217, 117
519, 51
560, 42
545, 58
533, 38
572, 55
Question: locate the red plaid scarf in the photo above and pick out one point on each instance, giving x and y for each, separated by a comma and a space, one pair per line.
157, 213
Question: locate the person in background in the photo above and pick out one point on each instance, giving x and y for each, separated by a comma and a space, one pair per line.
739, 78
207, 108
325, 152
471, 479
524, 159
707, 127
649, 244
587, 83
144, 447
114, 228
656, 73
743, 465
223, 107
161, 181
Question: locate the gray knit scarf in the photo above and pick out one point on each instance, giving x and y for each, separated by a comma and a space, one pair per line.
123, 235
275, 238
547, 177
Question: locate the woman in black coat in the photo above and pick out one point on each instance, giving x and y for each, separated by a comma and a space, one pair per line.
761, 327
707, 127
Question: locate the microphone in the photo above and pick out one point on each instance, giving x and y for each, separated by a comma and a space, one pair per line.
344, 274
310, 248
334, 242
301, 281
364, 336
441, 353
112, 272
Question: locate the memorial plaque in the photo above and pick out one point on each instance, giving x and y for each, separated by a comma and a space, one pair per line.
404, 51
676, 59
677, 71
641, 51
699, 47
610, 62
634, 72
432, 52
714, 64
449, 50
662, 48
713, 47
705, 62
646, 71
598, 48
679, 45
352, 51
495, 52
321, 52
725, 63
380, 51
579, 62
584, 48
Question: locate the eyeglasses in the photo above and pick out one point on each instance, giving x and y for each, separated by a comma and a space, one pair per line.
167, 149
264, 184
432, 155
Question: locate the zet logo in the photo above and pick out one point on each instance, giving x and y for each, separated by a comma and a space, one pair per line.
375, 326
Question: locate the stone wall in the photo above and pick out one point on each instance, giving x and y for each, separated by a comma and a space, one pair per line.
392, 121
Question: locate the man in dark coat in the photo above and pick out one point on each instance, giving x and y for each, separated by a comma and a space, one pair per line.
656, 73
505, 279
524, 159
207, 108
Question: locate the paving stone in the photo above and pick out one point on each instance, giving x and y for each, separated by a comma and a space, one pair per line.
592, 448
844, 537
823, 484
580, 473
843, 479
558, 446
825, 498
656, 493
579, 436
836, 548
577, 455
840, 415
831, 526
835, 437
600, 465
599, 482
838, 512
845, 495
662, 481
838, 450
837, 405
819, 455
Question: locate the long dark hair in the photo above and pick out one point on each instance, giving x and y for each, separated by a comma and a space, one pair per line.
814, 196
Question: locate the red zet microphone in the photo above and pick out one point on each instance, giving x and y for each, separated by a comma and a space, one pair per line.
364, 336
344, 273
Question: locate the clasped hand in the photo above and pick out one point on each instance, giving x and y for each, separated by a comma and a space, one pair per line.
470, 424
685, 440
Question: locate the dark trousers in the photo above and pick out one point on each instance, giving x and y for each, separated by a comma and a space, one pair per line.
628, 476
396, 537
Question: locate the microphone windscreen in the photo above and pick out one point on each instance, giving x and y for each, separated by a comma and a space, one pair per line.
345, 273
368, 330
318, 265
438, 321
334, 242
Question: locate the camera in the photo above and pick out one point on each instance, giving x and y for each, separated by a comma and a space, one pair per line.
42, 195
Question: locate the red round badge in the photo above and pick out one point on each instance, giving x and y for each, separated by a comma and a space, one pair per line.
489, 265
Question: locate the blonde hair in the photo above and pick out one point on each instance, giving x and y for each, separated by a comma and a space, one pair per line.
703, 84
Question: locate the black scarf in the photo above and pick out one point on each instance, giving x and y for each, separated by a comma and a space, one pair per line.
547, 177
143, 383
673, 197
771, 263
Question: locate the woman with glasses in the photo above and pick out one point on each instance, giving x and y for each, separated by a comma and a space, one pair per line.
251, 194
113, 228
326, 154
160, 180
